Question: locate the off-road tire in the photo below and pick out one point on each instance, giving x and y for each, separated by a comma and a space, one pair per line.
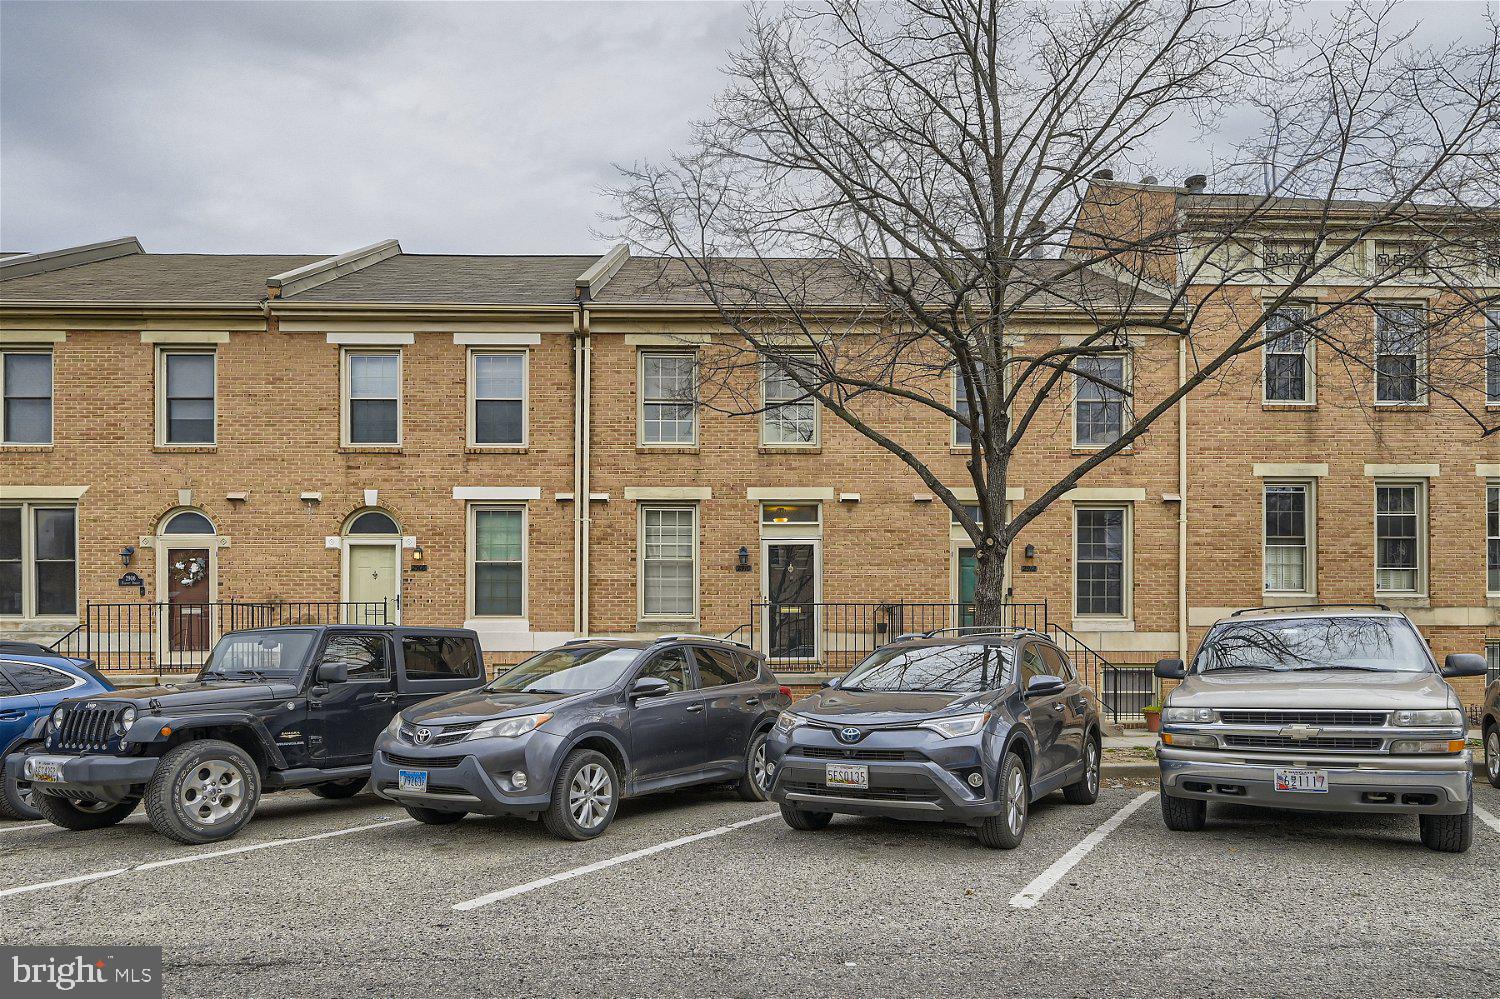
1086, 790
1448, 833
558, 818
803, 820
338, 789
749, 788
164, 801
78, 816
12, 805
433, 816
999, 832
1183, 814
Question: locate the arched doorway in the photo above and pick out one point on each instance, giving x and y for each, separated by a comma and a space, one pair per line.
187, 580
372, 567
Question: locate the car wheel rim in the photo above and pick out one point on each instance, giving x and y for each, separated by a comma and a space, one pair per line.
760, 772
1093, 768
91, 806
589, 795
1492, 753
1016, 806
213, 792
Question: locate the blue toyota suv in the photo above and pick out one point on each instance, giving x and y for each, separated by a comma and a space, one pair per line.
33, 680
969, 728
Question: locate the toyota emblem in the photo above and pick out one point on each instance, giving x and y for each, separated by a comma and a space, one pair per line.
423, 736
850, 734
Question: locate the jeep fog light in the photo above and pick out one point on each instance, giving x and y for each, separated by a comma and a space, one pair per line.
1428, 746
519, 780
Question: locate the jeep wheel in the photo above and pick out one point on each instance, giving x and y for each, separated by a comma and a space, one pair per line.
585, 796
1183, 814
803, 820
15, 794
756, 784
336, 789
79, 815
1448, 833
1006, 830
433, 816
1086, 790
203, 792
1492, 754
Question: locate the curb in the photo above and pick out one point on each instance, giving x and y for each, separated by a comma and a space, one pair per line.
1150, 770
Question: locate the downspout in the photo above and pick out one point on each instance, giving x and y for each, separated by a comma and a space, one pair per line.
1182, 505
582, 364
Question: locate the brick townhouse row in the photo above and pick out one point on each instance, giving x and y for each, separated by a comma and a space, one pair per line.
500, 441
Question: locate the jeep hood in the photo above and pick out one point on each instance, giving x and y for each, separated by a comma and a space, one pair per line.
482, 705
1312, 689
879, 707
200, 696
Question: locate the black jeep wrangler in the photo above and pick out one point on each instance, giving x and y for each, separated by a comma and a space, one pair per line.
272, 709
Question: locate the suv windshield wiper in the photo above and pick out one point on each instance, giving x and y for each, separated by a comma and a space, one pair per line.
1359, 669
1257, 666
254, 674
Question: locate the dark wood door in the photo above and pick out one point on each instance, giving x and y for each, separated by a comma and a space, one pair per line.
189, 617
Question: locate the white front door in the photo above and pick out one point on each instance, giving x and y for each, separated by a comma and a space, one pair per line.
372, 579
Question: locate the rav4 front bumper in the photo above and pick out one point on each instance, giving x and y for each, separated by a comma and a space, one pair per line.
1402, 785
470, 776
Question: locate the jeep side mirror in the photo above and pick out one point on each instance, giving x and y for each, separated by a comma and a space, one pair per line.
1044, 685
1170, 669
649, 686
332, 673
1464, 664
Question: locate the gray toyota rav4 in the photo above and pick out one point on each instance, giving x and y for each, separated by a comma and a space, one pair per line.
569, 732
1331, 709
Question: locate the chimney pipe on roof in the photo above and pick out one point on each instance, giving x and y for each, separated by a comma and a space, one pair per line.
1104, 175
1196, 184
1149, 180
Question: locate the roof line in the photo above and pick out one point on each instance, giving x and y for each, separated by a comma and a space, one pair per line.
592, 281
320, 272
69, 256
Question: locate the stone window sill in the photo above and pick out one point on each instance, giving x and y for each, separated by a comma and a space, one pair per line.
789, 449
362, 449
496, 449
666, 449
25, 448
184, 449
1289, 407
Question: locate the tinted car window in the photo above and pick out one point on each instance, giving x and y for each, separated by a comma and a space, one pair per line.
33, 678
1031, 663
364, 656
749, 667
1057, 663
670, 666
433, 657
7, 689
716, 667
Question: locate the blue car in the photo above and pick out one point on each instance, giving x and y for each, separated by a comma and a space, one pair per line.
34, 680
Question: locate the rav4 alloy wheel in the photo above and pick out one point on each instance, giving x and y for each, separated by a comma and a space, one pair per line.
1006, 830
1492, 754
756, 784
585, 796
203, 792
1086, 790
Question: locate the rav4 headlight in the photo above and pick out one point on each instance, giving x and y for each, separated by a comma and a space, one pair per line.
958, 726
786, 721
1188, 716
1440, 718
508, 728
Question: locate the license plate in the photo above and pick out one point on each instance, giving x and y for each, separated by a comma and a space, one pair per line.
847, 775
1306, 781
48, 771
411, 780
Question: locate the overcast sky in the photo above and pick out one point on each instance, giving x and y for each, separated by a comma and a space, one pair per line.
291, 127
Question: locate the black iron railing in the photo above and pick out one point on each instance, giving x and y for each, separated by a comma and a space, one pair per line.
177, 637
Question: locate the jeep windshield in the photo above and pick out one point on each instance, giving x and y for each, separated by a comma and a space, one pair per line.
571, 669
1337, 642
259, 655
946, 669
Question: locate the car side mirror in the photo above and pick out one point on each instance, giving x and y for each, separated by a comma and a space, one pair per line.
1170, 669
649, 686
830, 685
332, 673
1042, 686
1465, 664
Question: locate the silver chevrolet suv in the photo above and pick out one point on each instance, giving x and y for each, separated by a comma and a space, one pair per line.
1330, 709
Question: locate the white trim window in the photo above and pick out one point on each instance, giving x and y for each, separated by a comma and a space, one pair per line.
1099, 407
1400, 354
186, 414
497, 387
1492, 536
669, 562
1288, 356
497, 558
1288, 539
1492, 358
1400, 537
790, 416
669, 407
1101, 561
38, 560
962, 435
372, 398
26, 391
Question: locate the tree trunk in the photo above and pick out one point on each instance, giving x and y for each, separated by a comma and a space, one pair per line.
989, 584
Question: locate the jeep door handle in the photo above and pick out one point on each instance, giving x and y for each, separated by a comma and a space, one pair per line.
387, 697
693, 709
1057, 706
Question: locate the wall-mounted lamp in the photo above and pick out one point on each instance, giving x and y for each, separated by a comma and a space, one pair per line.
743, 563
1030, 551
416, 554
417, 565
126, 554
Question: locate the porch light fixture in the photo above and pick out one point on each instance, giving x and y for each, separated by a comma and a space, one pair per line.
416, 554
1030, 551
743, 563
126, 554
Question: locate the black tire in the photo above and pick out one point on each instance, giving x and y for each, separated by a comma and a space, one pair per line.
803, 820
559, 818
80, 815
337, 789
1448, 833
15, 794
1006, 830
189, 788
755, 785
1183, 814
1086, 790
433, 816
1492, 754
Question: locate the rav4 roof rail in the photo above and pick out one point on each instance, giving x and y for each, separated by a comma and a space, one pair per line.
707, 638
980, 629
1312, 606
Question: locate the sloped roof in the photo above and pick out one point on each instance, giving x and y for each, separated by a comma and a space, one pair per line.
156, 277
441, 279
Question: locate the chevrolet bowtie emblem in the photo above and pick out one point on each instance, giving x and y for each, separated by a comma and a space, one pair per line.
1299, 732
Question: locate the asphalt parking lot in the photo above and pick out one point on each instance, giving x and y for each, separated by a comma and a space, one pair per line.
697, 894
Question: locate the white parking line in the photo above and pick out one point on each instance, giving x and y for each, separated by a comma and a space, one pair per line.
624, 858
1487, 818
194, 858
1032, 893
22, 826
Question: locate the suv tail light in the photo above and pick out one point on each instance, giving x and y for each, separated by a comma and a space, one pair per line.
786, 691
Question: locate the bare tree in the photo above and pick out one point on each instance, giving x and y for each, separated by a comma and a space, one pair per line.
887, 197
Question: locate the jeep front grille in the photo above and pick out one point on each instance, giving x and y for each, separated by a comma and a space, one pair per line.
1335, 744
88, 726
1370, 719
